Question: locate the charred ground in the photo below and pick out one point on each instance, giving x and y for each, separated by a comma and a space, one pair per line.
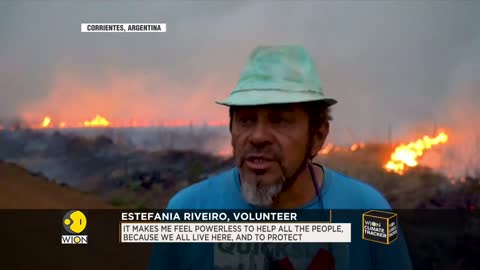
125, 175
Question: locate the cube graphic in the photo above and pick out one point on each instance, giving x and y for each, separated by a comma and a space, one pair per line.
379, 226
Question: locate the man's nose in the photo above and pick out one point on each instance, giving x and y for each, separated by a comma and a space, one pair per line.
260, 134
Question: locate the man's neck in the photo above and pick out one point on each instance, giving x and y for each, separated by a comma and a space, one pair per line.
301, 192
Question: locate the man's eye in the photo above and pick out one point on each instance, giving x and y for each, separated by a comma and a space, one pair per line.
277, 120
245, 120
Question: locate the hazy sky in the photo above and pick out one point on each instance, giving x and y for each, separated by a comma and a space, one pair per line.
407, 64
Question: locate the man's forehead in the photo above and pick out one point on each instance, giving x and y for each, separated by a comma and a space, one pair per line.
271, 108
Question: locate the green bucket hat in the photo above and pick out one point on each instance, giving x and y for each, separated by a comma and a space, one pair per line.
278, 75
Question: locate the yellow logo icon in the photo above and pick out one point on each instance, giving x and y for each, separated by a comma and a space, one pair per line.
74, 221
379, 226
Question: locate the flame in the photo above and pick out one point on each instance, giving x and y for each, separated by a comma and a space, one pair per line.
329, 147
101, 121
354, 147
47, 121
326, 149
406, 155
98, 121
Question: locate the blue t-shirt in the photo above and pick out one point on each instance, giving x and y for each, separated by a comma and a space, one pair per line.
337, 192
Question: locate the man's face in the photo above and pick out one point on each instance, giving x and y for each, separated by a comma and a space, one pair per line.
269, 144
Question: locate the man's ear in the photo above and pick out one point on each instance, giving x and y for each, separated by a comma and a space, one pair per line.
319, 137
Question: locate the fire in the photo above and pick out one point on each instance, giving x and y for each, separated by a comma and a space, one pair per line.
406, 155
329, 147
357, 146
101, 121
46, 121
354, 147
98, 121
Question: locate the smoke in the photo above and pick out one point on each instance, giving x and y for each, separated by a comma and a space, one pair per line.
461, 113
393, 66
120, 97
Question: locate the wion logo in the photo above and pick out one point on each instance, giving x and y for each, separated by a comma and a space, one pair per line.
379, 226
74, 228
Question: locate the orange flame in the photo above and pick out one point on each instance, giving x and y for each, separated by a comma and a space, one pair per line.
326, 149
98, 121
101, 121
354, 147
406, 155
47, 121
329, 147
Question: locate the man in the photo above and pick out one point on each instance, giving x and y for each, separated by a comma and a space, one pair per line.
279, 120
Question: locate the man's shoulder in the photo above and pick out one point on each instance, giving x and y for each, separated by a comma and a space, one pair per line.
355, 193
202, 193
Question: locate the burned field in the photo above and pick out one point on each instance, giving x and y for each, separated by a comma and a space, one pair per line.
132, 175
121, 173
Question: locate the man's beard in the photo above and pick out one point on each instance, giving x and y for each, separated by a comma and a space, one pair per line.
260, 194
254, 190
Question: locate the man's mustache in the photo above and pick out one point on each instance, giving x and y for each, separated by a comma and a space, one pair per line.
269, 154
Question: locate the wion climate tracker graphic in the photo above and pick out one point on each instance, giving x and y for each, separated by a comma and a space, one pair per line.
379, 226
74, 228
